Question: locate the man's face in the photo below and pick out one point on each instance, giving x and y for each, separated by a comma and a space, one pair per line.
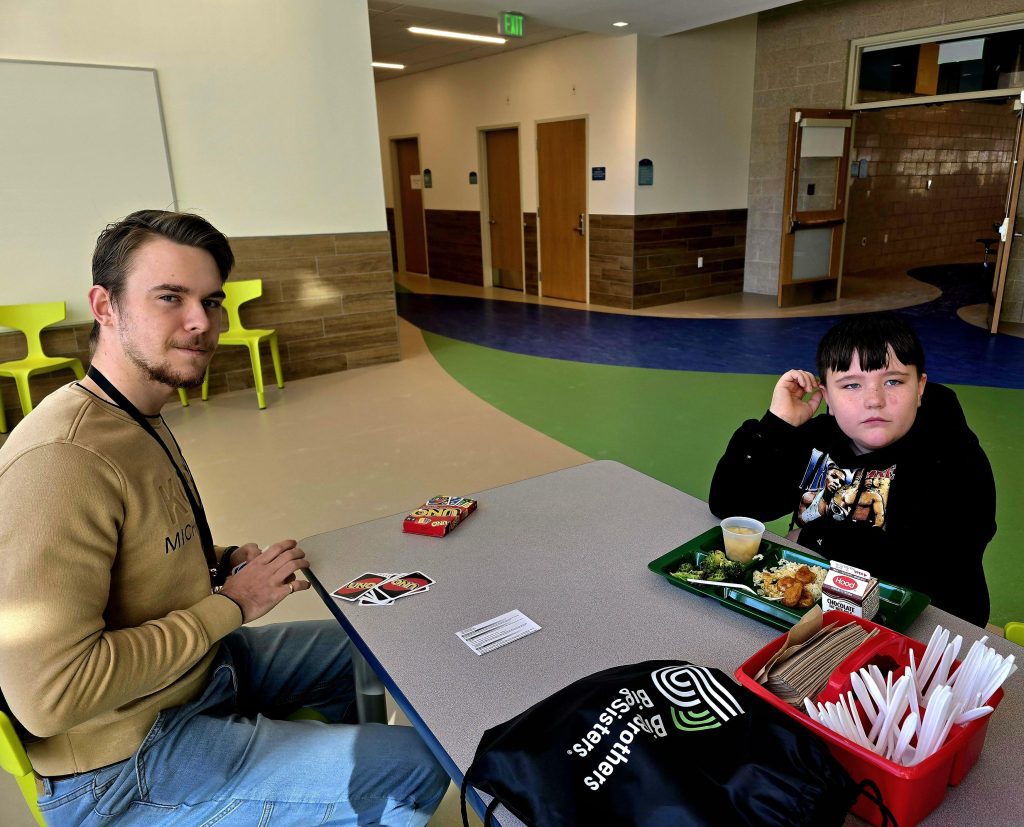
874, 408
834, 480
169, 313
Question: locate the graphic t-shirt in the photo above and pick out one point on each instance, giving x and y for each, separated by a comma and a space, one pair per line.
854, 494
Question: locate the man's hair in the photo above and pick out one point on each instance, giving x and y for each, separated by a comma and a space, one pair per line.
118, 243
870, 337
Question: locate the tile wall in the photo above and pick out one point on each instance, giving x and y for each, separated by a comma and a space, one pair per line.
895, 220
803, 50
331, 299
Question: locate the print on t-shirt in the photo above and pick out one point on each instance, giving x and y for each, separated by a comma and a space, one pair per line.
843, 493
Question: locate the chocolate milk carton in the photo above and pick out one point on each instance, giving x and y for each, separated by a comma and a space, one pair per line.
851, 590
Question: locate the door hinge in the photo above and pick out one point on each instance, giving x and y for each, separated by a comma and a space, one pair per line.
540, 276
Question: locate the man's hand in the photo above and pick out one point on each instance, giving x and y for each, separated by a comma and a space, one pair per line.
268, 578
788, 402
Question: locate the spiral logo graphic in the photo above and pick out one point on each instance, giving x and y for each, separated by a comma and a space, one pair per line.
700, 701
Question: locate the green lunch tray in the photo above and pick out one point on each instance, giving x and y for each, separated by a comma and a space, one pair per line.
897, 606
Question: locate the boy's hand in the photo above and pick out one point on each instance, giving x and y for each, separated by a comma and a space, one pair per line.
788, 402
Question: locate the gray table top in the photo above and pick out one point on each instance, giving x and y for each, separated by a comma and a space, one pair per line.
570, 550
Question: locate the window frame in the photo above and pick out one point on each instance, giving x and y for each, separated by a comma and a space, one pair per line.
929, 34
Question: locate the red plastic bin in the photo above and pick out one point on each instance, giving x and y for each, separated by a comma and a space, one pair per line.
909, 792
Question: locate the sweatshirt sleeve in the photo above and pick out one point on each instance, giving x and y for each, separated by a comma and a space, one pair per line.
60, 663
759, 474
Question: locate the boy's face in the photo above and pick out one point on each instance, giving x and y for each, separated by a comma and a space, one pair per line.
874, 408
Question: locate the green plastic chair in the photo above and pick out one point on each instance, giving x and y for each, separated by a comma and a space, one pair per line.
14, 760
235, 294
1014, 631
30, 319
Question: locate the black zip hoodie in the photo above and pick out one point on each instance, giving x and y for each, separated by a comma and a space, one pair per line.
917, 513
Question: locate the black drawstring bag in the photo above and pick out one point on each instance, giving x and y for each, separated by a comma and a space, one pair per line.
656, 744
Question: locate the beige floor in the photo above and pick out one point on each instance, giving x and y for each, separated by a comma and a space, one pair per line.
340, 449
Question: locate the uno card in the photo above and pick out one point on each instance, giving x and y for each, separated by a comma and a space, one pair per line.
403, 585
354, 589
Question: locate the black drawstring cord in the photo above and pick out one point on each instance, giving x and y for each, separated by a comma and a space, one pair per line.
869, 789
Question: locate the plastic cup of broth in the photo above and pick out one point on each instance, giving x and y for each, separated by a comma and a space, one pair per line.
742, 536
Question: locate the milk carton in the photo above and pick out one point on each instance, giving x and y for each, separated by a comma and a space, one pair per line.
851, 590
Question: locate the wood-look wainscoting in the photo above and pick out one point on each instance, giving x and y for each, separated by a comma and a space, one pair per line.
331, 299
646, 260
454, 249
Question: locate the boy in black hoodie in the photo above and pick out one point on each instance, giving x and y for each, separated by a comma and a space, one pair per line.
891, 479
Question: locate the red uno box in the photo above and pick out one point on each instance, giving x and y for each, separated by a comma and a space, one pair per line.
438, 515
909, 792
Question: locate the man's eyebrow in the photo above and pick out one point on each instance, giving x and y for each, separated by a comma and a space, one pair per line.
180, 288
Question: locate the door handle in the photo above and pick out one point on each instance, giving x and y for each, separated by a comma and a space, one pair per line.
579, 227
492, 221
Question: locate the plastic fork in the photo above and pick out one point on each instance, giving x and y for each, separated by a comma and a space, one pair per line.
739, 586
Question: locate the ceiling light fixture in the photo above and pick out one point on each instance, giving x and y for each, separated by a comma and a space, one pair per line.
481, 38
378, 65
620, 24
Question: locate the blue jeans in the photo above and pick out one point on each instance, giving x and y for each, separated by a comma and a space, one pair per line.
227, 759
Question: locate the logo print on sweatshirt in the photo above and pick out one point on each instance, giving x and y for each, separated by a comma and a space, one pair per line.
701, 702
179, 513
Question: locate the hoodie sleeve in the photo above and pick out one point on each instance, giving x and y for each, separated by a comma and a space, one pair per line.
759, 474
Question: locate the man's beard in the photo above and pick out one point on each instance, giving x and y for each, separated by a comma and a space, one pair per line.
163, 373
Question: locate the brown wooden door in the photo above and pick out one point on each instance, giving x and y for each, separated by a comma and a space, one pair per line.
505, 214
413, 239
814, 206
562, 207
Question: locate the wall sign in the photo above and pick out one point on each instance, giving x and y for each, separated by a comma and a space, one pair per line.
597, 174
510, 23
416, 182
428, 180
472, 178
645, 173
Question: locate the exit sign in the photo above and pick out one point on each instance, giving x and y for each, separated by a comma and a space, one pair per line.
510, 24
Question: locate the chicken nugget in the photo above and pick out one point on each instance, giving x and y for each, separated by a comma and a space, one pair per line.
792, 594
806, 599
804, 575
786, 582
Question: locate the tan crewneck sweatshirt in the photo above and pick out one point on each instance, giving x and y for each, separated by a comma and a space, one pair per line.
106, 611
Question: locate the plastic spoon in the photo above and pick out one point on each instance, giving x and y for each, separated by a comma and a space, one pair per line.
864, 696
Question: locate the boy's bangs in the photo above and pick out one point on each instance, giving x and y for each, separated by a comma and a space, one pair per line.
870, 337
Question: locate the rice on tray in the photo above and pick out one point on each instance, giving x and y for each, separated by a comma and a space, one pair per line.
767, 580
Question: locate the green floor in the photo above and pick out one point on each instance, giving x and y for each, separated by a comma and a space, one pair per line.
673, 425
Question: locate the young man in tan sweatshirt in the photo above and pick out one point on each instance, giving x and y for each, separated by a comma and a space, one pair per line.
121, 649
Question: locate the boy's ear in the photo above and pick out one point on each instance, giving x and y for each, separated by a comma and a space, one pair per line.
824, 395
921, 382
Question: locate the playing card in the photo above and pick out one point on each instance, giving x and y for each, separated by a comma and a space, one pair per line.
403, 585
352, 590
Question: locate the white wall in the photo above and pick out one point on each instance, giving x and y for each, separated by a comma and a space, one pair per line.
695, 94
584, 75
269, 105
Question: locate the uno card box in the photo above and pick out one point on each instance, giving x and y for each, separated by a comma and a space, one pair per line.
438, 515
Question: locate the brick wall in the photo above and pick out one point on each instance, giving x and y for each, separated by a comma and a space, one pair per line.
331, 299
803, 50
647, 260
964, 148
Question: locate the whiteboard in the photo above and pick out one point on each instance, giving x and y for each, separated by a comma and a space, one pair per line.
80, 146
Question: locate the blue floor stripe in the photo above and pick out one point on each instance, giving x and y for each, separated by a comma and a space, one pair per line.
957, 352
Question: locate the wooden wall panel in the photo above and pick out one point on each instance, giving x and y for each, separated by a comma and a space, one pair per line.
331, 299
454, 247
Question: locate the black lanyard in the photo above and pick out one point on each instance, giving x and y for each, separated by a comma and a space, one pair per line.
205, 536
